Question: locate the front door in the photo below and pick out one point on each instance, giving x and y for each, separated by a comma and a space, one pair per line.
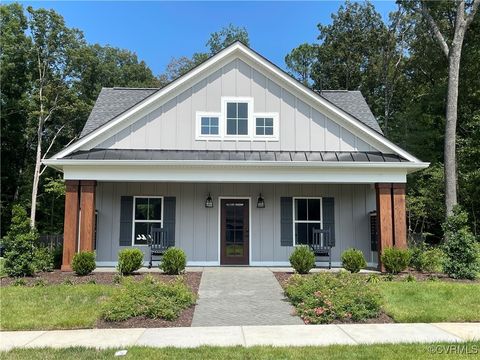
234, 232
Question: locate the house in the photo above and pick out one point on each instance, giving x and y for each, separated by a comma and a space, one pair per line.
238, 162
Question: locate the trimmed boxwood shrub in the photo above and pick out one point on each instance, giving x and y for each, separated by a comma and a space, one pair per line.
302, 259
427, 259
129, 260
395, 260
353, 260
83, 263
173, 261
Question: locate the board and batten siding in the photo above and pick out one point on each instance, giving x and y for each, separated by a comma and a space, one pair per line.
196, 227
172, 125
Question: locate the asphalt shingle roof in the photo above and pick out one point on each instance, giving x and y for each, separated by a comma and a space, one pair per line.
353, 103
225, 155
111, 102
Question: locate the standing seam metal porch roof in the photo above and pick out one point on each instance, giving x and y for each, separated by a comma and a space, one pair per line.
213, 155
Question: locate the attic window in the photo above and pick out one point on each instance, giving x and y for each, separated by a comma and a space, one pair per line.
237, 118
209, 125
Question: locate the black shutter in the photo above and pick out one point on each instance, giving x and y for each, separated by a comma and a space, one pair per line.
328, 207
286, 221
126, 219
169, 218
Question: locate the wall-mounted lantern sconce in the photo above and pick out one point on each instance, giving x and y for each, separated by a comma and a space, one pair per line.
209, 201
260, 202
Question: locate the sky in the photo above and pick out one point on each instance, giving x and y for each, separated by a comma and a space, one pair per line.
158, 31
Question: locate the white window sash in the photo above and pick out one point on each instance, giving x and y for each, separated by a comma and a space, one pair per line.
135, 221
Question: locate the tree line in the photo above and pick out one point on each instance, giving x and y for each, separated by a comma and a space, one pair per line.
50, 78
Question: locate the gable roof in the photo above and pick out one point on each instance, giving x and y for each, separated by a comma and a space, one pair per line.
111, 102
236, 50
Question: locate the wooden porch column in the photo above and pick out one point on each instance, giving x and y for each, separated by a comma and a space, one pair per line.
87, 215
399, 216
384, 219
70, 227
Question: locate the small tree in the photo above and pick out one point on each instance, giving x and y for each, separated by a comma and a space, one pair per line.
20, 244
461, 251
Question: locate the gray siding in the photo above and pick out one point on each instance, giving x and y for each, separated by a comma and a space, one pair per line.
172, 125
197, 229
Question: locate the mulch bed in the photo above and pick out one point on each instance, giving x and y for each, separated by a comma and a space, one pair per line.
282, 278
192, 280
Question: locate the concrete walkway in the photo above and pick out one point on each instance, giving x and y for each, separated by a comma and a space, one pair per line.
241, 296
293, 335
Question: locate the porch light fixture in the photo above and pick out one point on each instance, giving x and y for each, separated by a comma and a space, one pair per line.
209, 201
260, 202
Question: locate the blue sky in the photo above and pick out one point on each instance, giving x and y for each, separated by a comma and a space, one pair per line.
158, 31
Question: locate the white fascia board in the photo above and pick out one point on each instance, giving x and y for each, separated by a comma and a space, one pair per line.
212, 65
333, 109
234, 174
142, 108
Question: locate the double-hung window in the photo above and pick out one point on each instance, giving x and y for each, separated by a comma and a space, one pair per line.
147, 213
307, 216
237, 118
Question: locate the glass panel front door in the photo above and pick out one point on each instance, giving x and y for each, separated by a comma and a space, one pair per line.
235, 227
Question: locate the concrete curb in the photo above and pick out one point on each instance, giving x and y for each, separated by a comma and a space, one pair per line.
281, 335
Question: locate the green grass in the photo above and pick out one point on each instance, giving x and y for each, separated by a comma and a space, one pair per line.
356, 352
51, 307
431, 301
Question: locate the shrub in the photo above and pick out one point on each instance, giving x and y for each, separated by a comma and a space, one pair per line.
302, 259
353, 260
129, 260
83, 263
462, 254
373, 278
43, 259
174, 261
20, 244
395, 260
410, 278
149, 298
427, 259
325, 298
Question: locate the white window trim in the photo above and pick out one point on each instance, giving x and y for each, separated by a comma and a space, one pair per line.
295, 221
275, 135
198, 125
235, 99
145, 221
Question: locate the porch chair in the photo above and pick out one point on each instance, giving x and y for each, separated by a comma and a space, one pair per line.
158, 243
321, 245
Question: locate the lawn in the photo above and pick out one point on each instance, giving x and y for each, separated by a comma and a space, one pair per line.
404, 302
431, 301
52, 307
356, 352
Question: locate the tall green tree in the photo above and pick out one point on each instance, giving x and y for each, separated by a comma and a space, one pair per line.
300, 62
14, 83
217, 41
449, 35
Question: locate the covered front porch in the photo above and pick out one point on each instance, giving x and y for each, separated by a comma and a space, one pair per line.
107, 216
